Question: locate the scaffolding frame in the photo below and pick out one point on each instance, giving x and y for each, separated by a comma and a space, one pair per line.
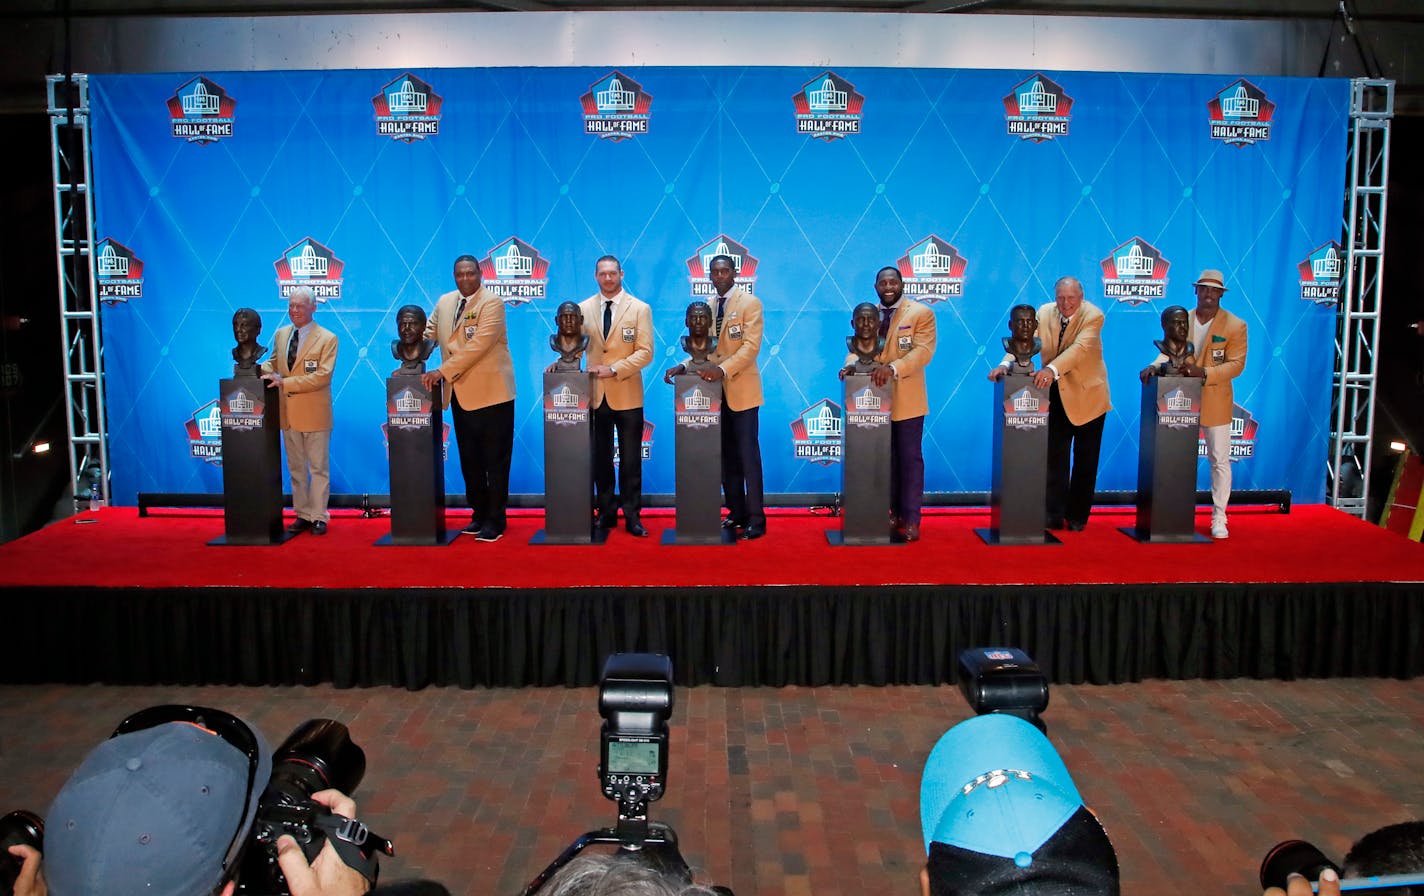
1357, 311
68, 107
1352, 410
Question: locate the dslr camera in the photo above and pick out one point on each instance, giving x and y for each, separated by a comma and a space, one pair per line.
19, 828
1299, 857
635, 699
318, 755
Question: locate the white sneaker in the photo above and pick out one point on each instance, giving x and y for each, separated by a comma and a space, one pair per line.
1218, 528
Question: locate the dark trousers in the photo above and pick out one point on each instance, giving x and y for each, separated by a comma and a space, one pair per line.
907, 469
486, 440
1070, 496
741, 467
629, 424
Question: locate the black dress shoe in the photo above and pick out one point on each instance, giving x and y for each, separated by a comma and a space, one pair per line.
1077, 525
636, 529
752, 532
730, 523
600, 535
319, 527
1056, 524
473, 528
299, 525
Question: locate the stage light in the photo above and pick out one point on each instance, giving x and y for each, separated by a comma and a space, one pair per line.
41, 448
1397, 447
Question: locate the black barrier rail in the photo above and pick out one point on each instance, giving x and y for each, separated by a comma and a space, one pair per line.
824, 502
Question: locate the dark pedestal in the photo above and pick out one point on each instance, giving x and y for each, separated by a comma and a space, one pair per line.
1167, 461
251, 463
568, 460
414, 427
697, 428
865, 464
1020, 483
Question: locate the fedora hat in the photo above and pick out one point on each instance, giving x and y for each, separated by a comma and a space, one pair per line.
1210, 277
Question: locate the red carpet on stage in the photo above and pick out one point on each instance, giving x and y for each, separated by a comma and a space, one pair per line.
169, 549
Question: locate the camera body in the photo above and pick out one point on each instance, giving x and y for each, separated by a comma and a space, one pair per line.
1003, 680
635, 698
318, 755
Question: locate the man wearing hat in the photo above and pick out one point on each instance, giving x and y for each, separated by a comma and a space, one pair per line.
1000, 815
1220, 340
167, 810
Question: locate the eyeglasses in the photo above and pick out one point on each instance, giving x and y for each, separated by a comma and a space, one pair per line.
232, 730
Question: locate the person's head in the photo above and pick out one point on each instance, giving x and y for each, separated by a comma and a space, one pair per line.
1393, 849
162, 808
1023, 322
699, 318
301, 305
410, 324
723, 273
1068, 295
246, 326
597, 874
1210, 287
569, 319
1000, 816
889, 285
609, 274
467, 275
865, 321
1174, 324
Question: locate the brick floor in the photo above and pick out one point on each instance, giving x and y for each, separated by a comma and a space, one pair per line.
801, 790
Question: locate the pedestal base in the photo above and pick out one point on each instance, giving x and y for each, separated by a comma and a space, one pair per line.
997, 537
568, 460
724, 536
1139, 534
439, 541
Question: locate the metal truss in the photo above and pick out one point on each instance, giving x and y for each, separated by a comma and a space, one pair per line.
1357, 321
68, 100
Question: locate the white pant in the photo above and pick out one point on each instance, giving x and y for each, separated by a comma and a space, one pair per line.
308, 462
1218, 457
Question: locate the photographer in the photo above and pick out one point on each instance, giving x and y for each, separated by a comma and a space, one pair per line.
165, 807
605, 875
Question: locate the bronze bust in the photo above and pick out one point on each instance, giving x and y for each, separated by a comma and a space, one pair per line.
1022, 341
699, 342
246, 327
865, 341
1174, 345
569, 339
410, 347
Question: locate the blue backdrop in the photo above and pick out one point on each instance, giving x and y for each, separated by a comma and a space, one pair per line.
220, 190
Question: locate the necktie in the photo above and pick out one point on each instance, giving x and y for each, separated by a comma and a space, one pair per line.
607, 317
1062, 329
721, 310
292, 349
885, 315
459, 310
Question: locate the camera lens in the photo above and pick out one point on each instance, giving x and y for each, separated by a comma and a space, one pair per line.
318, 755
1293, 857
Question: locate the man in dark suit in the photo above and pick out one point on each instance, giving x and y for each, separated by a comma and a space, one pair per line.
738, 325
620, 344
469, 324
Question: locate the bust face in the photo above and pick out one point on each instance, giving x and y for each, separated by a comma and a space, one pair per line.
699, 319
245, 328
1174, 325
569, 319
865, 322
1023, 324
409, 327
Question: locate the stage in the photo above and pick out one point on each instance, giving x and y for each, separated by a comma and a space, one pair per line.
114, 597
